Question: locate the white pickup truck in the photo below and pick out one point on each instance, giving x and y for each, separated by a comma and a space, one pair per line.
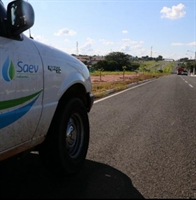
45, 96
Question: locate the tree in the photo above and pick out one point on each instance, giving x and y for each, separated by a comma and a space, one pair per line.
112, 65
133, 66
100, 70
159, 58
190, 65
121, 58
124, 69
102, 64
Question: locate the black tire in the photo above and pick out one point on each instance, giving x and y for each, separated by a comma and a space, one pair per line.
65, 147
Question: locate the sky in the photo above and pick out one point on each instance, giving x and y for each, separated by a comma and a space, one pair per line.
99, 27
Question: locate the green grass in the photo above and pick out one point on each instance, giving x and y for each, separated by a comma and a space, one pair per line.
168, 68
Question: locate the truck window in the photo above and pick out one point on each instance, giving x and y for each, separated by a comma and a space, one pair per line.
2, 17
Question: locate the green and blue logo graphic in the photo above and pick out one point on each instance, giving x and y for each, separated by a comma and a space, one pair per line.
22, 70
8, 70
17, 107
8, 118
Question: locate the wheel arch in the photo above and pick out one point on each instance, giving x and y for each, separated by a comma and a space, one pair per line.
75, 91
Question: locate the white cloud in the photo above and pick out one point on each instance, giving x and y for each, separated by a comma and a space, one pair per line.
192, 44
129, 46
177, 44
175, 12
106, 42
68, 50
66, 32
87, 47
41, 39
129, 41
138, 46
126, 40
124, 31
90, 40
125, 49
66, 40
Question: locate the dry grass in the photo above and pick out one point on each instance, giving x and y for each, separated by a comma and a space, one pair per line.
100, 88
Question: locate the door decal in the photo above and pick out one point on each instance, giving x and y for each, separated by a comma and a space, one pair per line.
9, 117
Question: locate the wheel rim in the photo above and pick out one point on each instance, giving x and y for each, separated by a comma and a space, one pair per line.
74, 135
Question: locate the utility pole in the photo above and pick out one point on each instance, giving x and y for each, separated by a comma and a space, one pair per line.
76, 48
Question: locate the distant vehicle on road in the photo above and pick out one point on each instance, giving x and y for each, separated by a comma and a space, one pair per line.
180, 70
184, 73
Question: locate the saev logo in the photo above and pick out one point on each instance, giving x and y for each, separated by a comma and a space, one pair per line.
26, 68
8, 70
22, 70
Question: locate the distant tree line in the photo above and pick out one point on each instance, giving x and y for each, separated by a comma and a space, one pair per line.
115, 61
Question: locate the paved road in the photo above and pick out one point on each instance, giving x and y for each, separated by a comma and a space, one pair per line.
142, 145
149, 134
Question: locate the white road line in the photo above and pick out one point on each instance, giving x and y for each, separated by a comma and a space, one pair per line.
190, 85
123, 91
186, 82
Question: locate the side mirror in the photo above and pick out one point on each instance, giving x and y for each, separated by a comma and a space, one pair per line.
20, 16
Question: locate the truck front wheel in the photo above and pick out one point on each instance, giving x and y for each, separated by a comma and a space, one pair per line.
66, 145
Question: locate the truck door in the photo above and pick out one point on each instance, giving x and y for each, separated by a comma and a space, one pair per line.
21, 91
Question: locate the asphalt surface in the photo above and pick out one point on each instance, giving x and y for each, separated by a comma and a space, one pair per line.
142, 145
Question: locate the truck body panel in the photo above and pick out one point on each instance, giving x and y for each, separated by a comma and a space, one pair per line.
21, 96
45, 94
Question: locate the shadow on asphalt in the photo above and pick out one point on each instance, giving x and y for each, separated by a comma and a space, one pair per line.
27, 178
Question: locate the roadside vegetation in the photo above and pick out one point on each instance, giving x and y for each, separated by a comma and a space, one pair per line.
142, 68
147, 70
101, 89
